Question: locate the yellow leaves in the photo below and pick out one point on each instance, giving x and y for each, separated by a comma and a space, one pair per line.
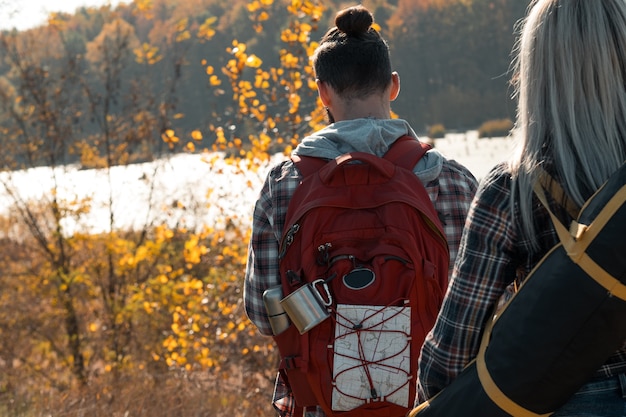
193, 250
261, 79
260, 143
253, 61
141, 253
145, 7
237, 143
311, 47
298, 33
162, 233
55, 21
195, 328
220, 141
259, 112
188, 285
213, 79
195, 135
231, 70
180, 359
206, 30
313, 9
294, 103
130, 259
289, 60
170, 138
89, 155
238, 49
147, 54
317, 120
288, 36
182, 33
183, 36
226, 309
245, 89
257, 5
305, 30
253, 6
234, 67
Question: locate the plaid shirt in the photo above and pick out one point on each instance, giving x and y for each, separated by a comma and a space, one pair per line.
451, 193
491, 256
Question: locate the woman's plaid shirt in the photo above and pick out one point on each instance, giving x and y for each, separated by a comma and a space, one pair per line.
492, 255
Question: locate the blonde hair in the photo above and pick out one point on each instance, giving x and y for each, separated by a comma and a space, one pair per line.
570, 77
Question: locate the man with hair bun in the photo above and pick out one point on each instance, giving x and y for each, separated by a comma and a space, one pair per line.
356, 85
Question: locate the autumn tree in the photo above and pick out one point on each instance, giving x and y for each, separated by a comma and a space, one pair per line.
457, 55
157, 303
58, 103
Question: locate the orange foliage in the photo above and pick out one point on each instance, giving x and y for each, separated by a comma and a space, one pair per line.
159, 299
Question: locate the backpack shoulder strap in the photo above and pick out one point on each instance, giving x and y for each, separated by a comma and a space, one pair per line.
406, 152
308, 165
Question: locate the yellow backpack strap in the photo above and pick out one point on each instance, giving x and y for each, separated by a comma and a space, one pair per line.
576, 240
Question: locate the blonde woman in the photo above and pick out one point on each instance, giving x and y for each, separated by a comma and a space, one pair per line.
570, 80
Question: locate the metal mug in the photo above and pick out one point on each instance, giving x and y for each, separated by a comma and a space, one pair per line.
277, 316
306, 307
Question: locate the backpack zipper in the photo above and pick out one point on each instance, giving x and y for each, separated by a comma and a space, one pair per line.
288, 239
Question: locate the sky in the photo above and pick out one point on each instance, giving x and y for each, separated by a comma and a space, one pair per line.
24, 15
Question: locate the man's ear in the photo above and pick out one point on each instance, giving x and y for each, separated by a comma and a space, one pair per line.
324, 93
395, 86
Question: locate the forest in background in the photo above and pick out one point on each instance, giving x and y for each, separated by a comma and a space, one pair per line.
453, 58
149, 321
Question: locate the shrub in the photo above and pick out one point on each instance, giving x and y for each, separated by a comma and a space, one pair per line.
497, 128
436, 131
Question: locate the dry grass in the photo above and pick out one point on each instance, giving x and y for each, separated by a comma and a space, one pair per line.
240, 391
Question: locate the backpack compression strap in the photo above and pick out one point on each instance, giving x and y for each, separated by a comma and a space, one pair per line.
406, 152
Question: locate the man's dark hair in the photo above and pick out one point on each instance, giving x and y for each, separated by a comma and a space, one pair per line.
352, 57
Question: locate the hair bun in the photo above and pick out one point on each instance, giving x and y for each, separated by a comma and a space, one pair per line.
354, 21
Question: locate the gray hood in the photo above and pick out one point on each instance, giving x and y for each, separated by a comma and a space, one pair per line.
367, 135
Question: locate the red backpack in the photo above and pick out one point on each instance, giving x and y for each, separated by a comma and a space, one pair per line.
364, 266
